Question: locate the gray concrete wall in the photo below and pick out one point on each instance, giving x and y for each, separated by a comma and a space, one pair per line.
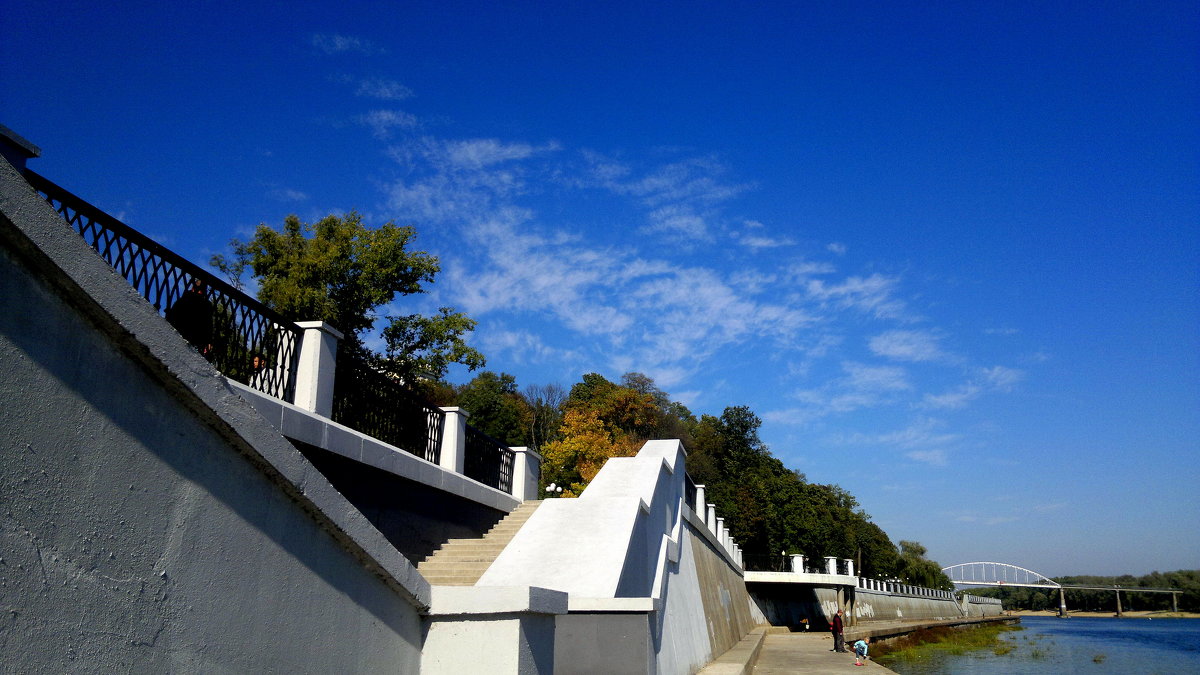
879, 606
794, 604
791, 604
152, 522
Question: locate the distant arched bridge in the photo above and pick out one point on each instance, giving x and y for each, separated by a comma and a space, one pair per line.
996, 574
1004, 574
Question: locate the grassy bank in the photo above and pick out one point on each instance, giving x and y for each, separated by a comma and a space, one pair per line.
929, 642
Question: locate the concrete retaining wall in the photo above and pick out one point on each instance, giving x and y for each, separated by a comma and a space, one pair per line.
877, 605
152, 521
794, 604
975, 606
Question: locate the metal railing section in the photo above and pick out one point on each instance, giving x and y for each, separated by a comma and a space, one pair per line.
488, 460
243, 338
375, 404
689, 492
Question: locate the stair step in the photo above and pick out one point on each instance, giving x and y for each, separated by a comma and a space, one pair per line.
461, 562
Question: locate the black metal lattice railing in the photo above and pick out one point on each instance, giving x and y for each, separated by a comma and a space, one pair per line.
488, 460
766, 563
375, 404
241, 337
689, 492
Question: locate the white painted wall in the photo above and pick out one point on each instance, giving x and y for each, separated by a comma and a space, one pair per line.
629, 545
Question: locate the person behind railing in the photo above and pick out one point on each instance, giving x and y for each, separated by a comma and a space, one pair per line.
192, 316
260, 372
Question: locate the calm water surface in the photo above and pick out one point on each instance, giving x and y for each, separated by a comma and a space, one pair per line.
1095, 646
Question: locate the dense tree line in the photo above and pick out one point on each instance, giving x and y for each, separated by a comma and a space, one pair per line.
343, 272
770, 509
1036, 599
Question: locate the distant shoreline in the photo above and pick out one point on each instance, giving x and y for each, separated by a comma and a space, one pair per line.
1109, 615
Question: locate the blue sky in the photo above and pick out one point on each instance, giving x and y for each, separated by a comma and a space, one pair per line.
949, 254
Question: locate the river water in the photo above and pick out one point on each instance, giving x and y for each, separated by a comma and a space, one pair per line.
1091, 645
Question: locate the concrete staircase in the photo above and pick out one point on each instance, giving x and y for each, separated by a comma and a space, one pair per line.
460, 562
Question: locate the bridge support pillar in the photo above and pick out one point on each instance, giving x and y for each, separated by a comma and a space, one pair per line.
1062, 604
1175, 602
1119, 613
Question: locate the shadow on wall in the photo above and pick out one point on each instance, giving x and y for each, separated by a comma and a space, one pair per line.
797, 606
416, 518
133, 443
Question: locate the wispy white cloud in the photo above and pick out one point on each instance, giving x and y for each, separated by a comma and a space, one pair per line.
1002, 378
921, 441
287, 195
954, 399
874, 295
907, 345
383, 123
334, 44
384, 89
934, 457
682, 198
836, 248
996, 378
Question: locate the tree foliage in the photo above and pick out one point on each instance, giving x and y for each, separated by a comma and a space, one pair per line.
768, 508
340, 271
495, 408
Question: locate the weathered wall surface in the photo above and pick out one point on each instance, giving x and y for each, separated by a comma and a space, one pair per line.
792, 604
695, 633
981, 608
876, 606
150, 521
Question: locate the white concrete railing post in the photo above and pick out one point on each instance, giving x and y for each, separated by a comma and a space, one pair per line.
849, 567
315, 367
830, 564
454, 440
720, 531
798, 564
527, 468
701, 503
710, 518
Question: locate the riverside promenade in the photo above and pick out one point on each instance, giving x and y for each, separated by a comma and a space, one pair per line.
774, 650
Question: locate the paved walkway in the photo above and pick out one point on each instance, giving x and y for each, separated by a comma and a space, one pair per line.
807, 654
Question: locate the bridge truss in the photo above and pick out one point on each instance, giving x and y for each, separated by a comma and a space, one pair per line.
996, 574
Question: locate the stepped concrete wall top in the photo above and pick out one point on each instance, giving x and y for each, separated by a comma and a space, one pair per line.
153, 521
641, 569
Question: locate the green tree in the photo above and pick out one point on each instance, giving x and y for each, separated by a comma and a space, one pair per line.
495, 407
914, 568
340, 271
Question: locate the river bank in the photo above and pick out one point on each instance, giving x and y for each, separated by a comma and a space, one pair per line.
1125, 615
1045, 644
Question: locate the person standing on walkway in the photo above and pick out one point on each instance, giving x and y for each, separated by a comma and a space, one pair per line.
839, 642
